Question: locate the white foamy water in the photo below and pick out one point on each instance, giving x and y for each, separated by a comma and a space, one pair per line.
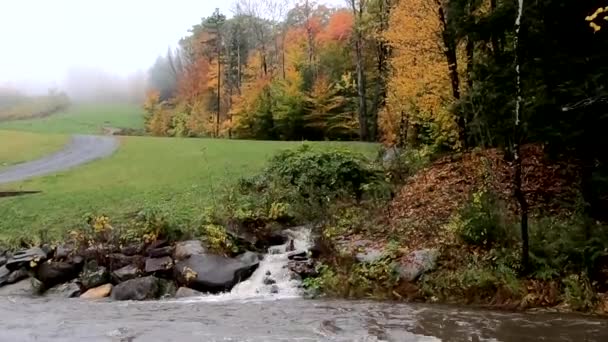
273, 266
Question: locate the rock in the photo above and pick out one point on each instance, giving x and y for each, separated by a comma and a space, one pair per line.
249, 258
369, 255
290, 247
297, 255
185, 249
269, 281
37, 286
132, 249
64, 251
214, 273
98, 292
274, 289
91, 277
67, 290
21, 288
137, 289
17, 275
157, 244
268, 273
391, 156
160, 265
49, 250
184, 292
166, 289
126, 273
416, 263
56, 272
160, 252
24, 258
117, 260
4, 274
2, 260
304, 269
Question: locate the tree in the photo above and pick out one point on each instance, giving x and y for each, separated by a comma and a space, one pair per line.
358, 8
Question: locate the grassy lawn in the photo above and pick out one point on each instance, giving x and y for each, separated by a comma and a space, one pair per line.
82, 118
182, 175
17, 147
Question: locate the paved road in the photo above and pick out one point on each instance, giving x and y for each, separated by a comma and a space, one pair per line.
80, 150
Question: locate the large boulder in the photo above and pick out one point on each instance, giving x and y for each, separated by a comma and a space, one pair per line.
56, 272
184, 292
160, 252
138, 289
67, 290
411, 266
303, 269
26, 258
126, 273
214, 273
132, 249
117, 260
17, 275
2, 260
185, 249
98, 292
162, 265
94, 277
64, 251
25, 287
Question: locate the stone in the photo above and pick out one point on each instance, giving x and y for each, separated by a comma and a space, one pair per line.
369, 255
290, 247
2, 260
21, 288
37, 286
17, 275
56, 272
297, 255
391, 156
214, 273
118, 260
126, 273
26, 258
159, 265
249, 258
98, 292
184, 249
49, 250
137, 289
411, 266
93, 277
166, 289
268, 273
132, 249
269, 281
304, 269
67, 290
184, 292
160, 252
274, 289
64, 251
4, 274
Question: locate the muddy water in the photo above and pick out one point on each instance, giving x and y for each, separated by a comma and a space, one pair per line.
23, 319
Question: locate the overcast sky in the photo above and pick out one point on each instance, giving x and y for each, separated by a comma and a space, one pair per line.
41, 39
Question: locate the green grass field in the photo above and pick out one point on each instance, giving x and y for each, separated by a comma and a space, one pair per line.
182, 175
17, 147
82, 118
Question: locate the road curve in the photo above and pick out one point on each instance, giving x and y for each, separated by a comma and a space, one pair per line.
81, 149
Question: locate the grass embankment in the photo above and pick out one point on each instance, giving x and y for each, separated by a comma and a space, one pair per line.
18, 147
182, 176
83, 119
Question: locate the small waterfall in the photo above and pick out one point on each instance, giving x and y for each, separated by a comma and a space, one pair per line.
272, 279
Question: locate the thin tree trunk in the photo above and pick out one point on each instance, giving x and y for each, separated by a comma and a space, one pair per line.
362, 110
219, 96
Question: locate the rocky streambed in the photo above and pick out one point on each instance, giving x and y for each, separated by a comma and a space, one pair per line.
153, 271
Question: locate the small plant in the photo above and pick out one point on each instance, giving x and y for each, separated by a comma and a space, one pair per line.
578, 293
482, 221
217, 239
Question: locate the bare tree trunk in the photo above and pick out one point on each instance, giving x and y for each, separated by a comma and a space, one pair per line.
219, 94
361, 93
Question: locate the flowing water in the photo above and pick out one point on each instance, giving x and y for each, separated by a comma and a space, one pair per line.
252, 311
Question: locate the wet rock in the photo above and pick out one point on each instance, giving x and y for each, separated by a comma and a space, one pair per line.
64, 251
26, 258
49, 250
249, 258
416, 263
94, 277
166, 289
4, 273
184, 292
290, 247
132, 249
299, 255
391, 156
159, 265
118, 260
17, 275
160, 252
98, 292
67, 290
369, 255
126, 273
137, 289
214, 273
21, 288
269, 281
268, 273
157, 244
185, 249
2, 260
274, 289
304, 269
56, 272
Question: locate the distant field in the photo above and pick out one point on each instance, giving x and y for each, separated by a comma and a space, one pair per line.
182, 175
82, 118
17, 147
